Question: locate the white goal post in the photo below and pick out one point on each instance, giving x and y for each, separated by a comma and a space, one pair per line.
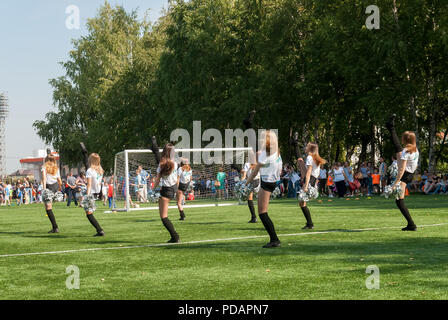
129, 195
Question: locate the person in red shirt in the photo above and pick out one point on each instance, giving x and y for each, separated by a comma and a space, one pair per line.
110, 193
376, 180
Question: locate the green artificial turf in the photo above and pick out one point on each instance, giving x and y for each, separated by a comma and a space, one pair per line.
311, 265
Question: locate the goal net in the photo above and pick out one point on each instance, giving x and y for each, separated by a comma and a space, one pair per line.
131, 191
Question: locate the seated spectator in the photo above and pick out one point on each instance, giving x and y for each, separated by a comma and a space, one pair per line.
414, 186
441, 186
424, 178
430, 184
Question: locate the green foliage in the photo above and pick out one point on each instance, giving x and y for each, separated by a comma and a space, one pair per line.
306, 66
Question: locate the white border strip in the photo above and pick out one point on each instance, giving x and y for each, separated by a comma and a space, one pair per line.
204, 241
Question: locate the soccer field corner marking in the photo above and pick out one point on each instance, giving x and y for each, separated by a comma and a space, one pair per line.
203, 241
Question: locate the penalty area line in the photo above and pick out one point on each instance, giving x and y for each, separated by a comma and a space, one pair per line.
206, 241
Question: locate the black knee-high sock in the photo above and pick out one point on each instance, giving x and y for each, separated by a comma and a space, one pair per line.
395, 140
94, 223
307, 214
269, 226
250, 204
169, 226
52, 218
404, 211
182, 214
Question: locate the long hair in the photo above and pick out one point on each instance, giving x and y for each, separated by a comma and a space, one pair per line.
167, 160
51, 167
95, 163
185, 166
270, 142
313, 150
410, 141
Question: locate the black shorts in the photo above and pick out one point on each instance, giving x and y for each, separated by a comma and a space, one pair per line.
168, 192
268, 186
183, 186
407, 177
364, 182
52, 187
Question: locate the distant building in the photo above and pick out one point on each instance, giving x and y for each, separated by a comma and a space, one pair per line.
34, 164
20, 175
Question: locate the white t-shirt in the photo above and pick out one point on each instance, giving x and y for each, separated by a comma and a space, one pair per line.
294, 177
323, 174
96, 178
316, 169
338, 174
51, 179
271, 166
248, 171
184, 176
170, 180
412, 160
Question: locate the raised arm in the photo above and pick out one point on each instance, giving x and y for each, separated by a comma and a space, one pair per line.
307, 177
44, 179
89, 185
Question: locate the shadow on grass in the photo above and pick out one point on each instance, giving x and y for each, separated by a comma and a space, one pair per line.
392, 256
376, 203
207, 223
104, 242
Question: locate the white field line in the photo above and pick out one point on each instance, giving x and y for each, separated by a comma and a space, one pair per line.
205, 241
191, 206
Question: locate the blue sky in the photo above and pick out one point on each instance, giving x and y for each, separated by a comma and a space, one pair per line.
34, 39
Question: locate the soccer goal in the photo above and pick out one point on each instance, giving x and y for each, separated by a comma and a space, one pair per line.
131, 192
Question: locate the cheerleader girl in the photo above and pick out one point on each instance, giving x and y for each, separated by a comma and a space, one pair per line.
51, 180
185, 174
245, 173
167, 177
269, 165
94, 177
408, 163
313, 163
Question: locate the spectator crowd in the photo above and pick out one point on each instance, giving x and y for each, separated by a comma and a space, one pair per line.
339, 180
26, 191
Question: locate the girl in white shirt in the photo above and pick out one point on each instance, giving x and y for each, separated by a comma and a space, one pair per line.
340, 179
51, 182
185, 175
168, 178
269, 165
408, 163
313, 163
94, 177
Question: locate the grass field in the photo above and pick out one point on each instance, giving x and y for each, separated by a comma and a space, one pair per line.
326, 263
